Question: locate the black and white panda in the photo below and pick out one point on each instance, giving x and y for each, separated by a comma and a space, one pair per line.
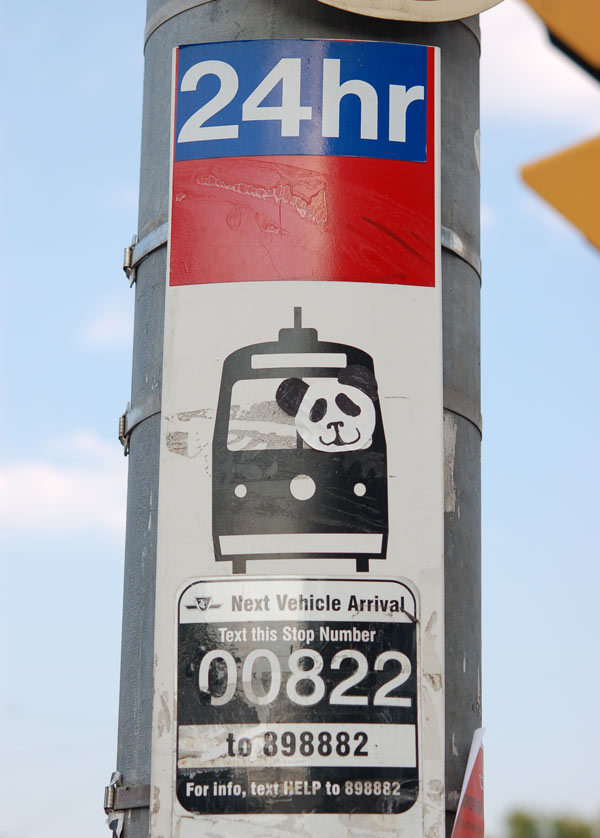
332, 414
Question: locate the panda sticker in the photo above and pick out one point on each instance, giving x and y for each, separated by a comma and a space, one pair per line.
299, 453
332, 414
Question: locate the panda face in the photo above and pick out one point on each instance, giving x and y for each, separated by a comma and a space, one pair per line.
334, 417
332, 414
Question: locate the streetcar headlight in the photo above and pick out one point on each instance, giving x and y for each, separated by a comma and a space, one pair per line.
302, 487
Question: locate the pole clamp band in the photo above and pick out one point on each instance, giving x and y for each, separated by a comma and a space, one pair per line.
472, 24
453, 242
118, 797
171, 8
134, 415
457, 403
140, 250
168, 10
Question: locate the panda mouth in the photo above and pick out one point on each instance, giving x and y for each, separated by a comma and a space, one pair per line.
338, 439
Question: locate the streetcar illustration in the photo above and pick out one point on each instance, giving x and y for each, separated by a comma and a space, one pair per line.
299, 453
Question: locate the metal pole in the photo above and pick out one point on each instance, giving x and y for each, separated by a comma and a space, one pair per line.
175, 22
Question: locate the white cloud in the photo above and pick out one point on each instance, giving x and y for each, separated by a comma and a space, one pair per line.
523, 77
540, 210
489, 217
124, 197
85, 445
83, 491
111, 328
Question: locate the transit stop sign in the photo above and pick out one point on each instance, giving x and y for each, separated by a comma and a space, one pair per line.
299, 618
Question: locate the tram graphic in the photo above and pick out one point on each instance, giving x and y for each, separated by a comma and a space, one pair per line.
299, 453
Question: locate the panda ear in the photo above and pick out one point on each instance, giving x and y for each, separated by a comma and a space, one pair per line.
361, 377
289, 395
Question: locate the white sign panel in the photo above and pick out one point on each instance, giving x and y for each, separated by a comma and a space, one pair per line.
299, 607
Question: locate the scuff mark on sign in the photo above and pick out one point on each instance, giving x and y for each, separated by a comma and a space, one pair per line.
435, 789
315, 208
186, 445
430, 718
193, 440
433, 810
432, 830
164, 716
431, 623
278, 827
450, 427
188, 415
395, 237
155, 800
177, 442
435, 679
432, 679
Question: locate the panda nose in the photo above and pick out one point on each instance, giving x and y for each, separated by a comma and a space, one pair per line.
335, 425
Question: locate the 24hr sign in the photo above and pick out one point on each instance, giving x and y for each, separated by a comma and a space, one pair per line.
304, 160
301, 97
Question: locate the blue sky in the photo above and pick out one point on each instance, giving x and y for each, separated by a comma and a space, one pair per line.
541, 451
70, 154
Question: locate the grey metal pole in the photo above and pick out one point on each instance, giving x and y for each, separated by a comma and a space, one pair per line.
175, 22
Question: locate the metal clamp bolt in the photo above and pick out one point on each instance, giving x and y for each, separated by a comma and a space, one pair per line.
140, 250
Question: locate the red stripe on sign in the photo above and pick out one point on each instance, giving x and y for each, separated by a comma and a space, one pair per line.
254, 219
431, 111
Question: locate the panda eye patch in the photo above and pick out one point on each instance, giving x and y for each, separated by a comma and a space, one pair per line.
346, 405
318, 410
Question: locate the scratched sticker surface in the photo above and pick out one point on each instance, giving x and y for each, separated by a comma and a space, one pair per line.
299, 612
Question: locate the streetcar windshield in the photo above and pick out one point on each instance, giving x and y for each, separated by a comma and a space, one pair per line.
255, 419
